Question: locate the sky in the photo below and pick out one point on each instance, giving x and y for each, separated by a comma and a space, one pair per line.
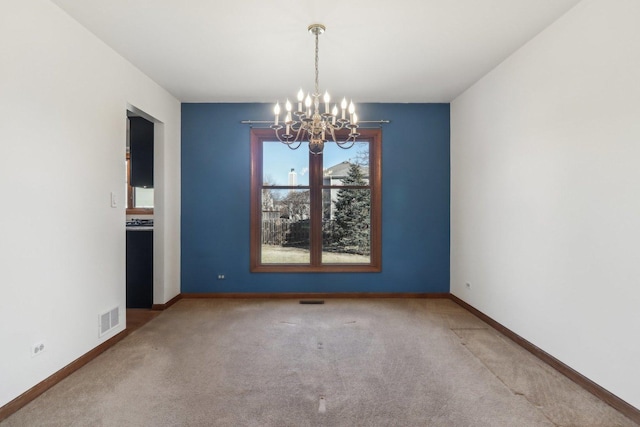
278, 160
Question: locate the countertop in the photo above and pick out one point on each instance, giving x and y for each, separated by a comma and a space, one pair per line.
139, 228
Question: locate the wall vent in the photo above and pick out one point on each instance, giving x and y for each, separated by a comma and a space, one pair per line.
109, 320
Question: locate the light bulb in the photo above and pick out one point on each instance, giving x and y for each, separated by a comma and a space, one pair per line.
287, 106
276, 109
327, 98
300, 95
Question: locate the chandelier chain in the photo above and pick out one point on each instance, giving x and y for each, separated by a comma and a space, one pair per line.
317, 72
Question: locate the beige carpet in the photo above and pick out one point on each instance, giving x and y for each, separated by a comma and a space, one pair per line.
348, 362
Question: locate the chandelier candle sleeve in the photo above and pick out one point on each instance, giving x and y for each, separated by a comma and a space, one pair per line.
307, 103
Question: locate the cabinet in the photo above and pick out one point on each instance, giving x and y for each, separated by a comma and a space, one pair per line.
139, 268
141, 152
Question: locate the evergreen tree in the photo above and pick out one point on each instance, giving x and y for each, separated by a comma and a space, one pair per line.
352, 214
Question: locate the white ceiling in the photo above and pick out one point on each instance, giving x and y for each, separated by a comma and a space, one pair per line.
260, 50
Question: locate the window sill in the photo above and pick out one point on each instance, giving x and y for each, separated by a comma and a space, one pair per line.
139, 211
325, 268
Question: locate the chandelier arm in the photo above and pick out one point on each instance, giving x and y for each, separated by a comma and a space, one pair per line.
332, 132
352, 137
344, 145
297, 139
291, 146
340, 125
287, 139
347, 143
276, 130
296, 129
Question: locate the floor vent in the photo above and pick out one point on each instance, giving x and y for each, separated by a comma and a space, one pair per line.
311, 301
109, 320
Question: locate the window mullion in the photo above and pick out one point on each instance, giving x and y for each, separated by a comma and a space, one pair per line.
315, 233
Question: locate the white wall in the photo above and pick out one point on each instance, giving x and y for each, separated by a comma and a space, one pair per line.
545, 222
63, 101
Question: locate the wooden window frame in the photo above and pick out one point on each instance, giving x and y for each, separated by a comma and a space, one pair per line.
374, 137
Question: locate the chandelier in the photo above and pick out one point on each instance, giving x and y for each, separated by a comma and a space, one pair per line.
310, 123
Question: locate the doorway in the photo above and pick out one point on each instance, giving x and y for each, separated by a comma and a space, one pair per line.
139, 211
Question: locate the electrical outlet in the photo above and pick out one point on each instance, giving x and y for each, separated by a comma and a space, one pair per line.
37, 349
220, 276
114, 200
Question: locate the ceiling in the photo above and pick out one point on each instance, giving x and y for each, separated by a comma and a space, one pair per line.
260, 51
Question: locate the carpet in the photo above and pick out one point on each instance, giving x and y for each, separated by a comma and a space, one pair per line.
348, 362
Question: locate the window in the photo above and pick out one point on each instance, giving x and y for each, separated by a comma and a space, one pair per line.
139, 199
315, 213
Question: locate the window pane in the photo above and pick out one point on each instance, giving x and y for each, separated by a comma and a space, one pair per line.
285, 227
346, 231
142, 197
284, 166
345, 173
336, 161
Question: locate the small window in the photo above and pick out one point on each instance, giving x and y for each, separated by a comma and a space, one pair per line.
139, 199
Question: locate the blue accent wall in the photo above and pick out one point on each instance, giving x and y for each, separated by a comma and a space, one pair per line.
215, 203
